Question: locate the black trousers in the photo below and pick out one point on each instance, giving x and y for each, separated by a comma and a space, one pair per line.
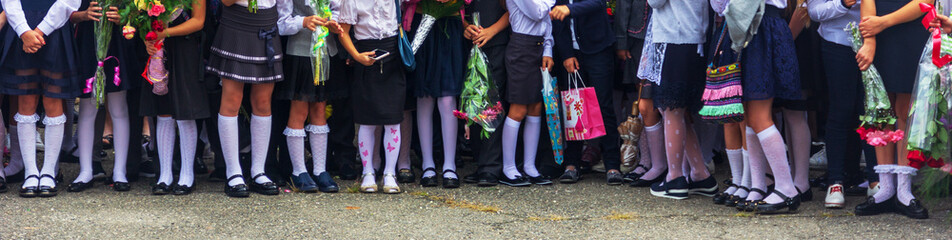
843, 145
597, 71
488, 152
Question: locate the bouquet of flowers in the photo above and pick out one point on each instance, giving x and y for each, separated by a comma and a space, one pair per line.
103, 32
431, 11
932, 96
879, 114
149, 18
480, 101
320, 57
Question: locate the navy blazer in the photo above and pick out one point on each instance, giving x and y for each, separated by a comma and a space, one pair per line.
593, 30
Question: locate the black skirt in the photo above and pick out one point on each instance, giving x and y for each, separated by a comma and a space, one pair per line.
378, 92
682, 78
57, 56
523, 61
187, 98
898, 49
247, 47
119, 47
299, 85
440, 60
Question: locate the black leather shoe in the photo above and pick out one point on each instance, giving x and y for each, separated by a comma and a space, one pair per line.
325, 183
870, 207
706, 187
179, 190
519, 181
121, 186
268, 188
731, 200
405, 176
3, 185
47, 191
471, 179
807, 195
79, 186
303, 183
540, 180
487, 180
429, 181
720, 197
30, 191
631, 176
450, 182
748, 206
570, 176
237, 191
790, 204
161, 189
647, 182
915, 209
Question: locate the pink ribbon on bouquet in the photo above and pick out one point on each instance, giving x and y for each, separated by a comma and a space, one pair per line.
116, 80
937, 57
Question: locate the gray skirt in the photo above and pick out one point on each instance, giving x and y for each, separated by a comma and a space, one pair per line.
247, 47
523, 60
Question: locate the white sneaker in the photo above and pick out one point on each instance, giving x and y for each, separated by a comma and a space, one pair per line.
834, 196
818, 160
872, 191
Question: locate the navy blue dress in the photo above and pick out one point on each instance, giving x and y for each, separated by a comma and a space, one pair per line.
57, 56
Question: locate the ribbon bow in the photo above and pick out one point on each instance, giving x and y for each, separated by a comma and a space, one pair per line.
267, 36
115, 75
937, 57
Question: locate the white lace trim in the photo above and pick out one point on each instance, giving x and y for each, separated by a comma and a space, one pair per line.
244, 57
884, 168
290, 132
243, 78
53, 121
906, 170
26, 119
318, 129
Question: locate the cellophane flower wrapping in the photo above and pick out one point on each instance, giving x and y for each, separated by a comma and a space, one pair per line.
431, 10
103, 32
929, 115
878, 117
480, 101
320, 57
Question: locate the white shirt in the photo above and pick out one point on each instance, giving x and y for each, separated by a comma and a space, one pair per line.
261, 3
56, 16
370, 19
781, 4
290, 24
833, 18
531, 17
679, 21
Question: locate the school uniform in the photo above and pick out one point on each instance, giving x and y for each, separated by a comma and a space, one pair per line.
531, 35
247, 48
631, 26
57, 56
769, 62
898, 49
298, 83
489, 154
186, 98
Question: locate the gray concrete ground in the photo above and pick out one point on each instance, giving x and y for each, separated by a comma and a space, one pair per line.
587, 210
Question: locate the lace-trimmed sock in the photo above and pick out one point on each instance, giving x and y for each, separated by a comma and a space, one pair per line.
295, 139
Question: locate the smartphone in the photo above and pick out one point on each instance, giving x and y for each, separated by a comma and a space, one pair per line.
380, 54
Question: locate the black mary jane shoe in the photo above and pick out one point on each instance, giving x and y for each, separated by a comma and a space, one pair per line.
871, 207
748, 206
405, 176
237, 191
915, 210
179, 190
121, 186
431, 180
647, 183
789, 204
47, 191
268, 188
631, 176
450, 182
540, 180
807, 195
3, 185
30, 191
722, 197
161, 189
79, 186
733, 200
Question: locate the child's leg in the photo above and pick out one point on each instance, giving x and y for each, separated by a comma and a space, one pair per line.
425, 130
530, 139
119, 112
774, 148
695, 159
391, 137
449, 124
510, 135
16, 157
674, 127
87, 122
733, 143
188, 137
317, 136
55, 123
231, 95
365, 144
295, 136
799, 137
654, 133
260, 128
165, 139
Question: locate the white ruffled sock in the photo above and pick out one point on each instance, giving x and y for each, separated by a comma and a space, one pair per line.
317, 136
295, 139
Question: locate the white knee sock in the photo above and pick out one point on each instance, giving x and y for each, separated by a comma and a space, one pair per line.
776, 152
16, 157
425, 130
317, 136
645, 158
260, 138
87, 124
365, 144
659, 162
904, 181
510, 137
745, 177
735, 157
295, 139
119, 112
449, 124
188, 139
165, 138
55, 127
228, 131
758, 166
799, 142
26, 130
530, 143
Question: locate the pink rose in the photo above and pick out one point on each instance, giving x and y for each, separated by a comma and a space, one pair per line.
156, 10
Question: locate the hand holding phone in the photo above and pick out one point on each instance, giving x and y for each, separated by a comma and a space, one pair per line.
380, 54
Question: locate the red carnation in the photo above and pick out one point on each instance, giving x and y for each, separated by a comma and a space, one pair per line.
158, 26
917, 165
151, 36
916, 156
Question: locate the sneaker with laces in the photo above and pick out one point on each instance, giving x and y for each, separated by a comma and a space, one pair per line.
834, 196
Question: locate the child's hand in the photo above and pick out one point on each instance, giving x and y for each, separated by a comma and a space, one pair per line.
366, 58
311, 22
560, 12
484, 36
93, 12
864, 57
547, 63
113, 15
334, 27
870, 26
32, 41
472, 31
942, 22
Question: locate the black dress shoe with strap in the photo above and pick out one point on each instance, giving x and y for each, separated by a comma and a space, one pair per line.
748, 206
30, 191
47, 191
161, 189
179, 190
789, 204
79, 186
915, 209
429, 181
238, 191
487, 180
268, 188
733, 200
450, 182
405, 176
121, 186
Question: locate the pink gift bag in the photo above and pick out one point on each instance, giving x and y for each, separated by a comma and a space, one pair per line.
580, 110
